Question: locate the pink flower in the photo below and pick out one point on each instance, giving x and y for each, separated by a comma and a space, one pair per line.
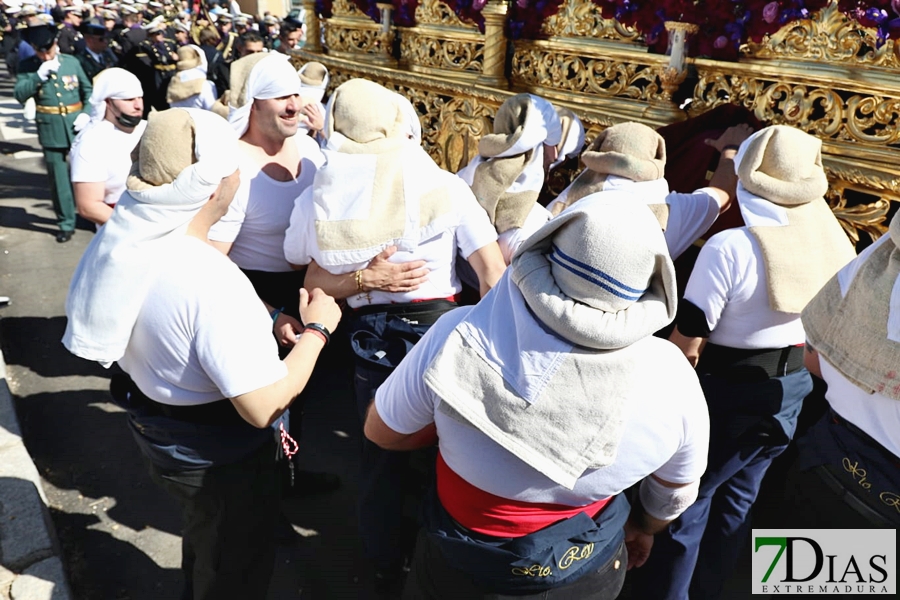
720, 42
478, 4
770, 12
522, 3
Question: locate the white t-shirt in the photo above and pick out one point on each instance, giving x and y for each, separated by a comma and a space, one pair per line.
205, 99
467, 229
103, 153
202, 334
261, 210
728, 284
666, 432
877, 415
511, 239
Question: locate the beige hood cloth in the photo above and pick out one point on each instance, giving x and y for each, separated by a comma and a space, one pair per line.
780, 194
377, 188
508, 174
858, 331
183, 156
544, 364
191, 75
629, 157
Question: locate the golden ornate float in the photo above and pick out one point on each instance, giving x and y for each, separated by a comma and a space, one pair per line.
825, 75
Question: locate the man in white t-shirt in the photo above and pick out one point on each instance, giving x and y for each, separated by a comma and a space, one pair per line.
100, 157
852, 328
547, 400
739, 325
632, 157
381, 191
204, 385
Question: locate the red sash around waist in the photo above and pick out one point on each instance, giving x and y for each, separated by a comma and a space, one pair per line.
485, 513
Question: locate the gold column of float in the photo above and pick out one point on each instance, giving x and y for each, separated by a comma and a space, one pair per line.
313, 32
494, 66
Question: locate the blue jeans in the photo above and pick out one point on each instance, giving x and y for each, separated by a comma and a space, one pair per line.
696, 554
391, 483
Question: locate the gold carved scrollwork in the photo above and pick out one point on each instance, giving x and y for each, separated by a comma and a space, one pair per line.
441, 42
826, 111
537, 66
428, 51
435, 12
464, 122
828, 37
346, 8
364, 41
582, 18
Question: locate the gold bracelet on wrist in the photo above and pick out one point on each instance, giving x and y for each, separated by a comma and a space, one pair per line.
359, 284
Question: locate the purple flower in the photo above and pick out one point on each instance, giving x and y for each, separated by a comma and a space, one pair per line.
770, 12
895, 4
720, 42
522, 3
478, 4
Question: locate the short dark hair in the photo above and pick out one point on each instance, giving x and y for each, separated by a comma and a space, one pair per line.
288, 26
251, 36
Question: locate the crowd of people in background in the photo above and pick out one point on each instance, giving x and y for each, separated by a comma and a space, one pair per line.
526, 373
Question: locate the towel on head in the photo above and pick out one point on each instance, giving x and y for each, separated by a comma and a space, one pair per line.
572, 138
507, 175
377, 188
183, 157
555, 347
258, 77
313, 80
780, 193
626, 156
191, 75
855, 325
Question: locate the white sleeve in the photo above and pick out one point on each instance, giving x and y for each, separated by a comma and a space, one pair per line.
712, 280
689, 462
208, 96
242, 356
475, 230
87, 164
229, 226
690, 216
300, 242
511, 239
403, 401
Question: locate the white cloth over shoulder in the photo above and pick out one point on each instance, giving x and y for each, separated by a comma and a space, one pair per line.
112, 278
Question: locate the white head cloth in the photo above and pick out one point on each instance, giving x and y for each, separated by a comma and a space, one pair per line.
313, 91
271, 77
115, 272
115, 84
573, 143
198, 72
413, 124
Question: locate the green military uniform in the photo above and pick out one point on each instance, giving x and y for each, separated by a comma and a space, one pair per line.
59, 100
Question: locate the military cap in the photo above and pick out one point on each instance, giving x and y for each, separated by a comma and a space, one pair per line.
42, 37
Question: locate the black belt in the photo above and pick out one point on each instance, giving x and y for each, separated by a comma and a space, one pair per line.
128, 395
426, 312
750, 365
860, 507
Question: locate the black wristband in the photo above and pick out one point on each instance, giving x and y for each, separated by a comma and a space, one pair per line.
321, 329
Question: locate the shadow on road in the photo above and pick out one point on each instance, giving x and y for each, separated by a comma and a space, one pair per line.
36, 343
